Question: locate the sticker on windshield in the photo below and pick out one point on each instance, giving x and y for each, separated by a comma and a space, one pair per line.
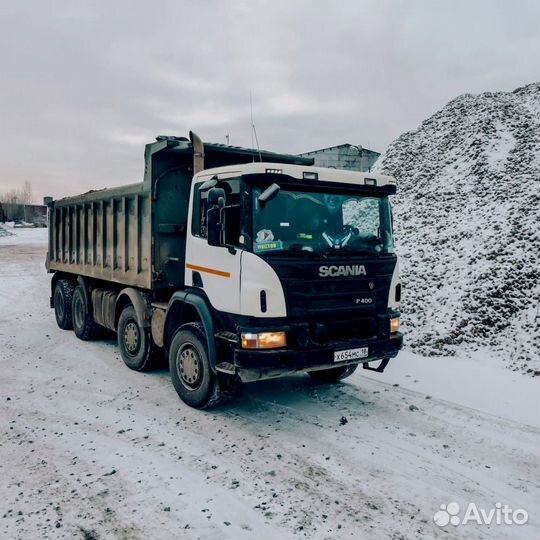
264, 235
268, 246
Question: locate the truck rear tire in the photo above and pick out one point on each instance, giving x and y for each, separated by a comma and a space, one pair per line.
63, 298
333, 374
135, 342
83, 325
189, 365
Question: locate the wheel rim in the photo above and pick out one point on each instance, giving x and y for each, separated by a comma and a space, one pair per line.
189, 367
132, 338
59, 304
78, 311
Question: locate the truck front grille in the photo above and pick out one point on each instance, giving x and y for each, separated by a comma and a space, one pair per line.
310, 297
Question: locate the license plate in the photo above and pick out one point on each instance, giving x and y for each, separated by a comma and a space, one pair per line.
351, 354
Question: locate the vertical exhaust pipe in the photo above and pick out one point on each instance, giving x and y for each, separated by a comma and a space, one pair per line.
198, 152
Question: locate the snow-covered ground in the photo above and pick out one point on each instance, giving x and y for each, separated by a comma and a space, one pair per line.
92, 450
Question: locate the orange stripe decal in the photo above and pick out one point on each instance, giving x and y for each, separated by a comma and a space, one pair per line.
208, 270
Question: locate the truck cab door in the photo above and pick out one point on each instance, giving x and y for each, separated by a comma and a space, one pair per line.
215, 269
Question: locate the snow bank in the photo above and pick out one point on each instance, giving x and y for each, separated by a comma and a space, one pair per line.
10, 236
4, 232
467, 215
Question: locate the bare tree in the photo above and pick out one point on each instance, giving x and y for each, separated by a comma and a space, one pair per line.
26, 193
22, 195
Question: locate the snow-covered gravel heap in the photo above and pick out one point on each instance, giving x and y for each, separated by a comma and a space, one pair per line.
467, 226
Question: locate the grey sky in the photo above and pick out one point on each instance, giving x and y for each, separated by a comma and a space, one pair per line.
83, 85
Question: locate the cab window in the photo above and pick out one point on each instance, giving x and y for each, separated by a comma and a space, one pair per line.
231, 212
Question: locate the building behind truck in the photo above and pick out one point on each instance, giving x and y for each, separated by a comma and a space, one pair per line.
236, 265
349, 157
31, 214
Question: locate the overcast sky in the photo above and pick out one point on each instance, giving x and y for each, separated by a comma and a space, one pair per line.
84, 84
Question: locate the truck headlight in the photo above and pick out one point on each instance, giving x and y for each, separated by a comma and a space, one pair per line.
394, 325
264, 340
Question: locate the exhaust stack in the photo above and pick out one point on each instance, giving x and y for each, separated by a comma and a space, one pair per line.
198, 152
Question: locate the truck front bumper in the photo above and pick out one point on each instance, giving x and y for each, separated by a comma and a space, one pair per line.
253, 365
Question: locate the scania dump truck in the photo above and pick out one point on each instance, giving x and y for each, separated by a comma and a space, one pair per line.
234, 264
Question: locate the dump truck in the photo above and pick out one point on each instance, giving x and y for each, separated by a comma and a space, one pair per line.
234, 265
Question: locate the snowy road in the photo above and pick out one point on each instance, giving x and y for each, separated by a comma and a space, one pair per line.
92, 450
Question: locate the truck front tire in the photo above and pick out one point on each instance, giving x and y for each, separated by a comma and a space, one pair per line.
83, 325
333, 374
63, 298
191, 374
135, 343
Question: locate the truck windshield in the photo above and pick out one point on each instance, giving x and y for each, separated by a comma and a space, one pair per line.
322, 224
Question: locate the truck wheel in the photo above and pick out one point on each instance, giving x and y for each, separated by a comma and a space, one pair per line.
194, 381
83, 325
135, 343
63, 297
333, 374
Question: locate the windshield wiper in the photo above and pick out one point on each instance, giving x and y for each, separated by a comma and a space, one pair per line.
349, 250
297, 250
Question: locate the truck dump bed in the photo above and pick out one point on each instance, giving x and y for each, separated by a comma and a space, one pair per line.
103, 234
135, 235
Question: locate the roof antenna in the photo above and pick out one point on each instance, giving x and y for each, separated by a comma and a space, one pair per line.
253, 130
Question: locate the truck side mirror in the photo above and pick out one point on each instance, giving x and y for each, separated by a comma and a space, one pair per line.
216, 202
268, 194
209, 184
